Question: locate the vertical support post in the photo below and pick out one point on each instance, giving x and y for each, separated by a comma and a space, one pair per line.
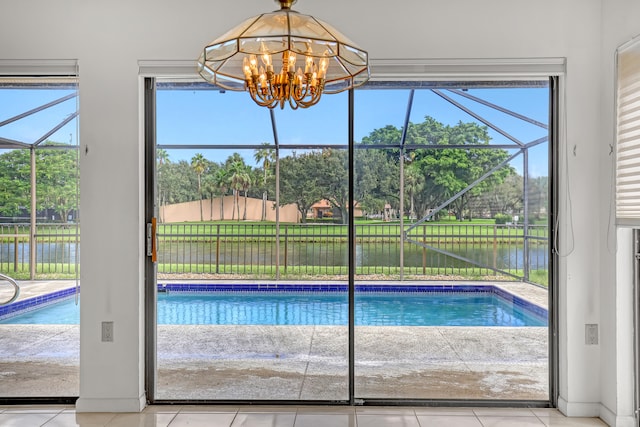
32, 233
351, 239
495, 246
403, 140
636, 320
402, 233
277, 143
277, 214
525, 207
424, 250
286, 247
15, 249
218, 248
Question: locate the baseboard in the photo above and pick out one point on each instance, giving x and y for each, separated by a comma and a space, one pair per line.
596, 410
579, 409
89, 404
625, 422
614, 420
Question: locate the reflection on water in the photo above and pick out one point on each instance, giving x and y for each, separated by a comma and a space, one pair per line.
63, 252
367, 254
309, 254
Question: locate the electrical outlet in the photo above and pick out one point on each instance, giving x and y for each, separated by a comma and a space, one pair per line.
107, 331
591, 334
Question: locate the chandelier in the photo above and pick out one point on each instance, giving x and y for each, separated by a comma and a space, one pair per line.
284, 57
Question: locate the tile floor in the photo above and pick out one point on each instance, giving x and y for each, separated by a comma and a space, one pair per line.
290, 416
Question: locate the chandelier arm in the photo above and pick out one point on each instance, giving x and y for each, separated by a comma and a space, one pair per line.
293, 104
312, 101
259, 102
300, 92
259, 98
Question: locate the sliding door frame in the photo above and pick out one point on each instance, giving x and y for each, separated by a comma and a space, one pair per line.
43, 70
395, 70
150, 209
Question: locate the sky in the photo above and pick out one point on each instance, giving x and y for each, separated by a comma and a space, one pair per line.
211, 117
31, 128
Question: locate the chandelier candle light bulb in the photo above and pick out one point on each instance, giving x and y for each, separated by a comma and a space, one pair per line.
231, 61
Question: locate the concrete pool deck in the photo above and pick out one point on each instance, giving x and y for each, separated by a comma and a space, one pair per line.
299, 362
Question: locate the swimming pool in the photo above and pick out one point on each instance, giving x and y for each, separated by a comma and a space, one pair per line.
374, 306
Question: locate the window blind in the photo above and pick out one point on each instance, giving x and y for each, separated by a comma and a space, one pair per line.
628, 135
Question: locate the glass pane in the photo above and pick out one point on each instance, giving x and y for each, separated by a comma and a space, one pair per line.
269, 320
508, 119
324, 124
55, 123
307, 26
39, 331
235, 31
426, 327
375, 115
200, 115
460, 214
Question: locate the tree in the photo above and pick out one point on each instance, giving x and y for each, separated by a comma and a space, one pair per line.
15, 183
266, 156
538, 196
221, 180
57, 180
209, 185
299, 182
179, 182
162, 158
507, 196
376, 180
334, 180
452, 170
240, 179
199, 165
433, 175
413, 183
246, 184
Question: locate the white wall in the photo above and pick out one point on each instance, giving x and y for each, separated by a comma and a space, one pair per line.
620, 24
109, 38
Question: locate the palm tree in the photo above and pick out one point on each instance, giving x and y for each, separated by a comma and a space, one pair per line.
199, 164
209, 188
221, 180
246, 184
238, 179
162, 158
413, 182
266, 156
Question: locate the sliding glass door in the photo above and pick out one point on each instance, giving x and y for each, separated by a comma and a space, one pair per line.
236, 189
39, 239
452, 183
391, 244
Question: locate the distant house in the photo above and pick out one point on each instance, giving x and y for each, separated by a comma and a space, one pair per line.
321, 209
324, 209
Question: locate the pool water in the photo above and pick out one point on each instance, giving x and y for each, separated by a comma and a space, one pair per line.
317, 308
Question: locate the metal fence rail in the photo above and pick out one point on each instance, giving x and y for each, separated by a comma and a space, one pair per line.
301, 250
56, 250
321, 249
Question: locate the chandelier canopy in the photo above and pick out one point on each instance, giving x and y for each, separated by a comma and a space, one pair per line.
284, 57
